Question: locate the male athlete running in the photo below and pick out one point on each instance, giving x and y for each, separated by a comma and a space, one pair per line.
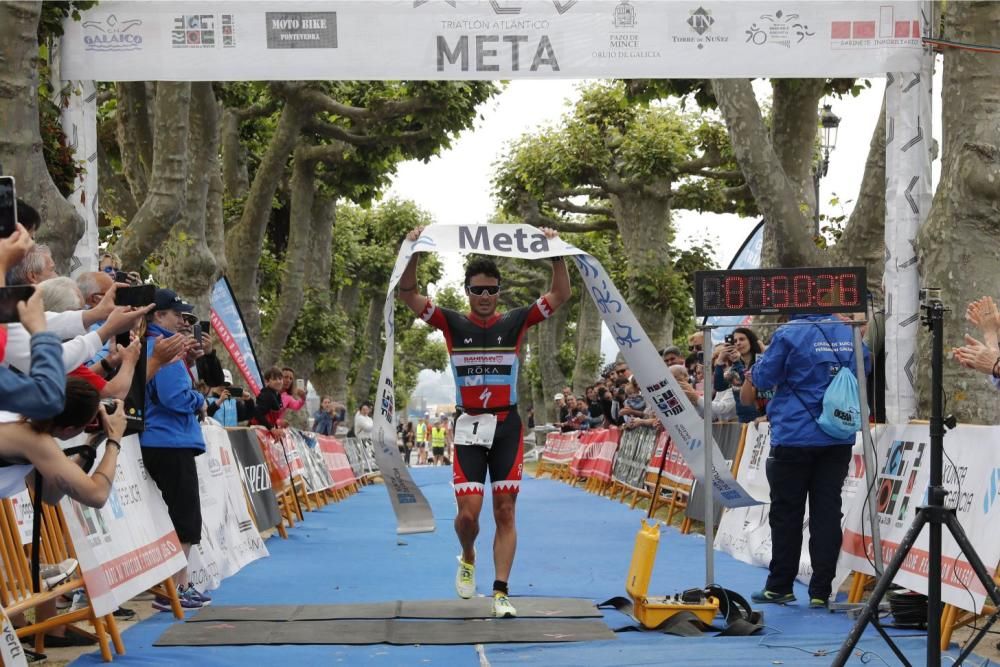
483, 347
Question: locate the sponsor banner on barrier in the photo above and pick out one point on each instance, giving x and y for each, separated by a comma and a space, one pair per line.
337, 463
971, 479
745, 534
469, 39
635, 449
24, 513
10, 645
128, 545
256, 478
314, 470
674, 468
227, 322
229, 539
560, 448
361, 454
595, 453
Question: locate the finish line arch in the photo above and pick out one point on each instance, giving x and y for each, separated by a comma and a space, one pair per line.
525, 39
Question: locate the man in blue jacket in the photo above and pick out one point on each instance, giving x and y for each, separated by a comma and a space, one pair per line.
800, 364
172, 438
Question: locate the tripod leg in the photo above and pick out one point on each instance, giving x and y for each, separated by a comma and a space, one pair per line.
981, 573
881, 587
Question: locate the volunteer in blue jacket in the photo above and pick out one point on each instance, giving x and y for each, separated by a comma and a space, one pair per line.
172, 438
805, 462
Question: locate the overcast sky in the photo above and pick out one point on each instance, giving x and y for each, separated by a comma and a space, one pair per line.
455, 187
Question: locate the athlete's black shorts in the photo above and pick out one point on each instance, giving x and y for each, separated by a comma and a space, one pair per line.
503, 461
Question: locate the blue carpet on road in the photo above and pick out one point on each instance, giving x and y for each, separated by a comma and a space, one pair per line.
571, 544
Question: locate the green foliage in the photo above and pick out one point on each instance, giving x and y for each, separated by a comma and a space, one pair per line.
451, 297
318, 327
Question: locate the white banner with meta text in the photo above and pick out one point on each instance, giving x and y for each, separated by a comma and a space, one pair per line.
671, 406
476, 39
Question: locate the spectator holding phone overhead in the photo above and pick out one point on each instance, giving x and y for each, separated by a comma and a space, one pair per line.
326, 418
62, 294
293, 391
226, 403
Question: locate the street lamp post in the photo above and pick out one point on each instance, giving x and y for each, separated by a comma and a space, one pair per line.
829, 121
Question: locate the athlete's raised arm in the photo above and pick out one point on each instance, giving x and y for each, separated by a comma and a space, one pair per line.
408, 292
559, 292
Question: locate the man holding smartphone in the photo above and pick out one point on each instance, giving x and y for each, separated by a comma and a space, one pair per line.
229, 405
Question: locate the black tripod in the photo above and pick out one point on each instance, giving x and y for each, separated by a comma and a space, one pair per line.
934, 514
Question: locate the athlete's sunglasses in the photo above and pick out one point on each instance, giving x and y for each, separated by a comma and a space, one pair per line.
479, 290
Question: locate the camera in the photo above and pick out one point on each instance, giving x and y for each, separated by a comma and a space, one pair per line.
730, 339
95, 426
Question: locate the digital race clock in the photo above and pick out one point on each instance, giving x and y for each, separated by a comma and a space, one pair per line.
765, 291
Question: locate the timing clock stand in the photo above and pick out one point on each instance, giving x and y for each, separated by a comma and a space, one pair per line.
751, 292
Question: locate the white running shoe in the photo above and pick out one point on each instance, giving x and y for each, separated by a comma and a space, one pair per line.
502, 608
465, 579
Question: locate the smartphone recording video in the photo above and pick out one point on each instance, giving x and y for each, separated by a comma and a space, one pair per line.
235, 392
730, 339
9, 298
8, 206
205, 325
140, 296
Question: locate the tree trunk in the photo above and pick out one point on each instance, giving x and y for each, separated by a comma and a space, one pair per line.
347, 303
787, 237
189, 267
20, 138
793, 133
245, 240
215, 230
644, 224
863, 240
588, 345
116, 197
294, 268
960, 241
234, 157
550, 333
135, 136
539, 400
164, 202
372, 352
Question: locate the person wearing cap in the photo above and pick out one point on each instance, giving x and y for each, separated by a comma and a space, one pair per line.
225, 407
172, 438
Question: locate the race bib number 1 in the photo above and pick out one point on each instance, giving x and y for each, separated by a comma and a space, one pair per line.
475, 430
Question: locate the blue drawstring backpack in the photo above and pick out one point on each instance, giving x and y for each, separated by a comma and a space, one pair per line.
841, 415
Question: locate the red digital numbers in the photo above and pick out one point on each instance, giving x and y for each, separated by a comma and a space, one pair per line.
735, 292
779, 292
770, 290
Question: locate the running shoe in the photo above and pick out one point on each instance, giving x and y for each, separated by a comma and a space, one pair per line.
204, 598
161, 603
502, 608
770, 597
465, 579
54, 574
818, 603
